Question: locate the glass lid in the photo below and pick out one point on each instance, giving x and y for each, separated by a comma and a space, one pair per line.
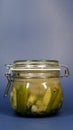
20, 65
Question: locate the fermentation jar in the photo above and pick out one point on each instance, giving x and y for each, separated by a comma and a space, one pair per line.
35, 88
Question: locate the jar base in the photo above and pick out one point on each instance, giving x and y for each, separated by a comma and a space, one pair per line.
35, 115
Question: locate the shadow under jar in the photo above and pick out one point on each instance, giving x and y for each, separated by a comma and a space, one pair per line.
35, 86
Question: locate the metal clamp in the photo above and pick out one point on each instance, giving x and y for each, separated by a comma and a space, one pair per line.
9, 78
66, 71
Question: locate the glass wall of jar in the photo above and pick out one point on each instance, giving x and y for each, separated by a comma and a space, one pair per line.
35, 86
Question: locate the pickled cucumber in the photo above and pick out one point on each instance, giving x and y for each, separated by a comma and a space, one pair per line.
51, 101
41, 105
13, 98
58, 100
22, 96
54, 92
31, 100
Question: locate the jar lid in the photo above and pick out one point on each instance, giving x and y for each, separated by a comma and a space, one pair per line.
23, 65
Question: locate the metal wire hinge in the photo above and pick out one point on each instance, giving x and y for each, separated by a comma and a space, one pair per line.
66, 71
9, 78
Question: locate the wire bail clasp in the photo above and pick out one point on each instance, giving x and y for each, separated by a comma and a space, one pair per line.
9, 78
66, 71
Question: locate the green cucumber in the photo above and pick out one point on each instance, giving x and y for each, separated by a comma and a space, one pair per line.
13, 98
22, 96
58, 100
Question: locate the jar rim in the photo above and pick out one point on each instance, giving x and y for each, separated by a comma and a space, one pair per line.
35, 61
21, 65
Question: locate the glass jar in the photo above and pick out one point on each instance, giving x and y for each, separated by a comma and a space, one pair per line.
35, 86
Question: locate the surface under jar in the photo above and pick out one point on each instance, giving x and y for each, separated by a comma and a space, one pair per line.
36, 88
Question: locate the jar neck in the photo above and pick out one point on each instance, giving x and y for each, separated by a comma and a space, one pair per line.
35, 69
35, 74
